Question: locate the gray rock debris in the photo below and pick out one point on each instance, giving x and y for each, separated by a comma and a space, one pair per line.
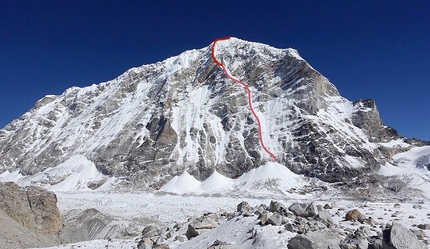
161, 246
279, 208
264, 218
145, 243
312, 223
419, 233
152, 238
276, 206
356, 240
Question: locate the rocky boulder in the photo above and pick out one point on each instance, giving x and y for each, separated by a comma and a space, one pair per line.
276, 220
150, 231
424, 226
400, 237
355, 215
315, 240
32, 207
203, 224
191, 232
324, 217
145, 243
279, 208
304, 209
244, 208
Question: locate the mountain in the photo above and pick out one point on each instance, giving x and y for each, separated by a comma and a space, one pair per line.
156, 121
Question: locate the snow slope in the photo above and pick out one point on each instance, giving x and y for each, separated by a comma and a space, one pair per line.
75, 174
269, 178
412, 167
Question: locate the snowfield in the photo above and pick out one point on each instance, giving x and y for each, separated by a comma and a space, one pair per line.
75, 174
271, 177
412, 167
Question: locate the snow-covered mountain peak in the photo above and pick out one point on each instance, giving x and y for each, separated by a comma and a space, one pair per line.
156, 121
235, 45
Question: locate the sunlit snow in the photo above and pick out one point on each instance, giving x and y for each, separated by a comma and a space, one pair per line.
271, 178
72, 175
412, 167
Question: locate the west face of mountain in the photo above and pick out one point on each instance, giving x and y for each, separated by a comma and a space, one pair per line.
155, 121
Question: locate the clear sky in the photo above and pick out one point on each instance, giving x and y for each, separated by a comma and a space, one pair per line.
368, 49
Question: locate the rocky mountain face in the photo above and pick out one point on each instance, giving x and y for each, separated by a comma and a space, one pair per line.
155, 121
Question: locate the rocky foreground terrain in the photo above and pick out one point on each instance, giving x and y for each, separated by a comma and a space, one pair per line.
301, 225
30, 218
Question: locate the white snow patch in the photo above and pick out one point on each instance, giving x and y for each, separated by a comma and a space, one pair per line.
184, 183
78, 171
237, 232
413, 158
10, 176
72, 175
217, 183
399, 143
98, 244
271, 177
412, 167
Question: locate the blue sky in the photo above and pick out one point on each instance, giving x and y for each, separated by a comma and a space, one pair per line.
368, 49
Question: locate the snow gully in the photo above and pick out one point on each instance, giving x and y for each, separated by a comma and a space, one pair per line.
247, 90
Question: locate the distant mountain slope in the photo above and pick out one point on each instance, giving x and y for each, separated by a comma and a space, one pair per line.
155, 121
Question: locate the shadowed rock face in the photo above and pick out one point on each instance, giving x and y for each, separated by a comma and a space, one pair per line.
366, 117
157, 120
32, 207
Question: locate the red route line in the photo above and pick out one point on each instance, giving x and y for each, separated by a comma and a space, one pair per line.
247, 90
